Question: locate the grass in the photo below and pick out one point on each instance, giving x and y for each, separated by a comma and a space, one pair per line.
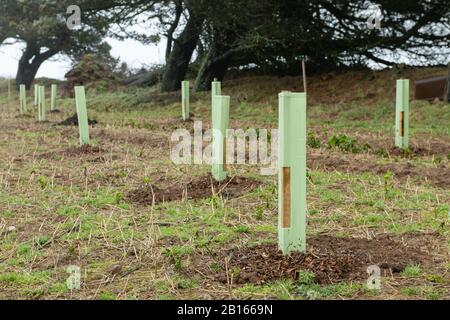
74, 210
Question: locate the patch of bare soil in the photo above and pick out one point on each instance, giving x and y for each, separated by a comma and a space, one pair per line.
83, 150
143, 139
199, 188
88, 151
73, 121
331, 259
414, 151
439, 177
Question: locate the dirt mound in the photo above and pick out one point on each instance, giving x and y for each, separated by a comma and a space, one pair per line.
197, 189
331, 259
73, 121
147, 139
83, 150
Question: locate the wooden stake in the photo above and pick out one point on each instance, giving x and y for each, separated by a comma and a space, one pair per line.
286, 187
9, 90
220, 121
305, 88
447, 98
292, 172
185, 106
83, 125
402, 115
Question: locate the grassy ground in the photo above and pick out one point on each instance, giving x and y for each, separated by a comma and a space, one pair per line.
61, 206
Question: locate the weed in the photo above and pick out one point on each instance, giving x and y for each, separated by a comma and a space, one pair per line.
313, 142
347, 144
412, 271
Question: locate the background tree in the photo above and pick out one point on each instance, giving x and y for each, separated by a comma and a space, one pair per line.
41, 27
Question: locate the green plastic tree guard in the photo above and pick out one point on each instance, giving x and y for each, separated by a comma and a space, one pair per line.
185, 100
83, 124
216, 90
402, 115
36, 95
53, 97
220, 121
23, 99
41, 104
292, 172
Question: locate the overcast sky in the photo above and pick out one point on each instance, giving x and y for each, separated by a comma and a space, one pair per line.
132, 52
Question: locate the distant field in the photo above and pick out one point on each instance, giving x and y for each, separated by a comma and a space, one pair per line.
62, 205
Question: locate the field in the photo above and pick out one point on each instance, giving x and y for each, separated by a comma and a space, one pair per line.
141, 227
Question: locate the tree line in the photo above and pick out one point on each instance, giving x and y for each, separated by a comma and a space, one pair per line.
213, 37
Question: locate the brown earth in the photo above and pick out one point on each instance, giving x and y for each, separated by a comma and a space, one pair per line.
73, 121
144, 139
414, 151
331, 259
83, 151
199, 188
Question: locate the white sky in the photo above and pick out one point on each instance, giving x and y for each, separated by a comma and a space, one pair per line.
132, 52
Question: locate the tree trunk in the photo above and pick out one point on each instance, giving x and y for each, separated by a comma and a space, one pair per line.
217, 60
30, 63
210, 69
181, 54
173, 28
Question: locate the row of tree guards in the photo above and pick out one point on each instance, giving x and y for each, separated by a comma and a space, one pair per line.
40, 103
291, 153
291, 149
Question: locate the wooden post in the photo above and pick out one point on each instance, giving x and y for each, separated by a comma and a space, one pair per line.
36, 95
292, 172
185, 100
402, 115
83, 124
9, 90
220, 121
305, 88
447, 98
23, 99
53, 97
41, 104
